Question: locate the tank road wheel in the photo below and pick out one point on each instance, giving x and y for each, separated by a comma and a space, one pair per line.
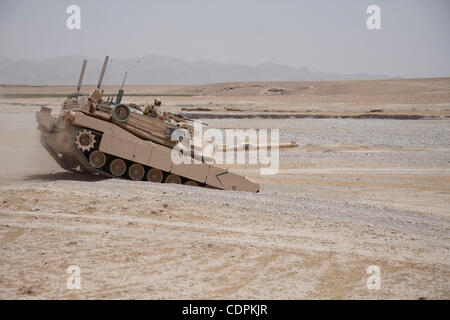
136, 172
97, 159
173, 178
117, 167
191, 183
154, 175
85, 140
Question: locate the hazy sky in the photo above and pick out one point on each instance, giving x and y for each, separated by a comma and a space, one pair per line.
329, 36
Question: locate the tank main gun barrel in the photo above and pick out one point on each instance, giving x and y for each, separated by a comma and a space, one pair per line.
80, 80
105, 64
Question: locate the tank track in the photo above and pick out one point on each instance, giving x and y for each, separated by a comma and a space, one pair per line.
83, 159
59, 159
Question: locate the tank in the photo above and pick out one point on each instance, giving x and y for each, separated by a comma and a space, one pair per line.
113, 139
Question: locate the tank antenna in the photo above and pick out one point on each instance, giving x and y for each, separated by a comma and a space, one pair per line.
124, 78
80, 80
120, 93
105, 63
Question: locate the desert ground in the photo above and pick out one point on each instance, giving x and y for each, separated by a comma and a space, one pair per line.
357, 191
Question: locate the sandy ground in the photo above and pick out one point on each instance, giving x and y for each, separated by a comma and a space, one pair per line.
354, 193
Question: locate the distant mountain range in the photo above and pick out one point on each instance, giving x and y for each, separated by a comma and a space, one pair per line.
155, 69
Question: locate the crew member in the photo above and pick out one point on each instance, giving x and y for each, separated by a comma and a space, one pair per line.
153, 109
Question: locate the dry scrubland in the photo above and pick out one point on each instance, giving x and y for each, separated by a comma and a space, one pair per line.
356, 192
412, 96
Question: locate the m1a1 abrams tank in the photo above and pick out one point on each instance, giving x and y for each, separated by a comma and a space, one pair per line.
112, 139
